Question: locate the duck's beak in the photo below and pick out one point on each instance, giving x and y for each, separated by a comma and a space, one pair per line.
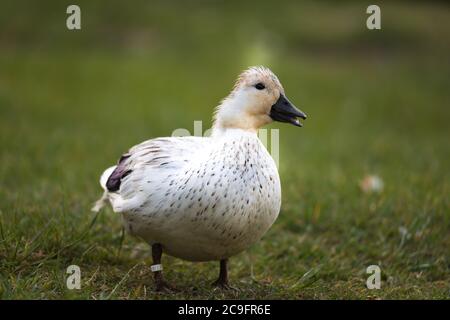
284, 111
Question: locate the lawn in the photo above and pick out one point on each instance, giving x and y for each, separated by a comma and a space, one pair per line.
377, 102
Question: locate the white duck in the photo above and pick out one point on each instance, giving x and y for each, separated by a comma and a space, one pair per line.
205, 198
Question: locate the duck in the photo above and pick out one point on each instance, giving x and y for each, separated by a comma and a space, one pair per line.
205, 198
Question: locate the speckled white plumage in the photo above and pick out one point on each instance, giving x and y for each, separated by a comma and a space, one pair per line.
205, 198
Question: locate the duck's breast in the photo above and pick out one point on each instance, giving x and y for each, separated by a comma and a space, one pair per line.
217, 206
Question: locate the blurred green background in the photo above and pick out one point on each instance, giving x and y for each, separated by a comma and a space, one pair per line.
377, 102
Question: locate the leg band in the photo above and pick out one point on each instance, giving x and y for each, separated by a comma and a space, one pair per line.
156, 267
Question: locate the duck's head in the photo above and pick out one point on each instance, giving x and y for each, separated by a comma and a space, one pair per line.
257, 99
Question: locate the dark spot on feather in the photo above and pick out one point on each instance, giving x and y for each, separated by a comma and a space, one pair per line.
115, 179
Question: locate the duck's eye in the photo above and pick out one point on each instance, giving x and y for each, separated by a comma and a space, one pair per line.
260, 86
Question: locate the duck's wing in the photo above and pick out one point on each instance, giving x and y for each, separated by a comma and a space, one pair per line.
149, 164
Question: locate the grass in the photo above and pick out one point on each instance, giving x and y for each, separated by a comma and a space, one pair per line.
71, 103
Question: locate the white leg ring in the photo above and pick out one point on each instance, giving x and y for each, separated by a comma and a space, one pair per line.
156, 267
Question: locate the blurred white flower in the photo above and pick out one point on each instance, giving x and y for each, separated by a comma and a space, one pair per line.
371, 183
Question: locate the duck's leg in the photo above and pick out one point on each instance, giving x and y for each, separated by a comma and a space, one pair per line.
222, 281
160, 283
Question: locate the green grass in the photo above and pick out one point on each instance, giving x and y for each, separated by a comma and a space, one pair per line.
378, 103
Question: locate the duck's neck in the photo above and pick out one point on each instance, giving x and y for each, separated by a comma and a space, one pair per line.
218, 132
232, 114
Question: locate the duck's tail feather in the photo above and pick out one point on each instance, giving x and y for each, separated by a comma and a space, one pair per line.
100, 203
104, 199
106, 174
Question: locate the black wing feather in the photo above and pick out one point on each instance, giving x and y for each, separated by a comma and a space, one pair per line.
121, 171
